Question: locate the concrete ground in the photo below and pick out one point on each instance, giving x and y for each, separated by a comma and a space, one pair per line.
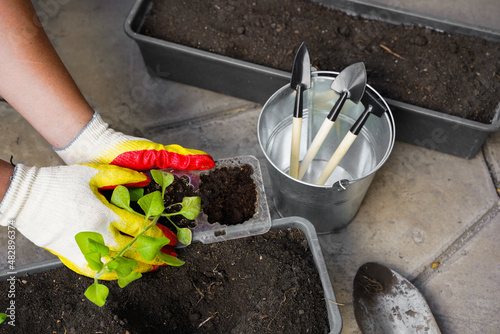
423, 207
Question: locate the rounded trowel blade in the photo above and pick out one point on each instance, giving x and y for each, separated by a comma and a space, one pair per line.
386, 302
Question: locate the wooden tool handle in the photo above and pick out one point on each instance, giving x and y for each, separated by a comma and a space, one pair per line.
336, 157
294, 156
315, 146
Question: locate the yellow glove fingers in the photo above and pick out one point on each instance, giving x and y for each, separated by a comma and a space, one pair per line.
109, 176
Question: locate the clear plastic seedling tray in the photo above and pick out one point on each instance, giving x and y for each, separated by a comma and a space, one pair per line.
260, 223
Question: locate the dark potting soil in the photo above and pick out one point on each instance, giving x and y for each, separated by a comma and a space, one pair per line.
228, 195
454, 74
261, 284
174, 194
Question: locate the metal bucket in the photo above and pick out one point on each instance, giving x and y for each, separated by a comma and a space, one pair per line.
332, 206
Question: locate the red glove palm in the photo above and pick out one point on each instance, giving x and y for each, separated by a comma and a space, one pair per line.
97, 143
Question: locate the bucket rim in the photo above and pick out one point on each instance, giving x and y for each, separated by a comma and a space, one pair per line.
388, 115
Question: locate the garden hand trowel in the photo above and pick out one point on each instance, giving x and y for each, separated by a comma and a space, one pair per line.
350, 84
386, 302
372, 106
300, 81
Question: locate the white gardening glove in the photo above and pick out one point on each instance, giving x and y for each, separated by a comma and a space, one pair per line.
51, 205
97, 143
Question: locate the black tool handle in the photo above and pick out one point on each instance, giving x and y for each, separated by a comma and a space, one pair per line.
297, 110
337, 107
360, 122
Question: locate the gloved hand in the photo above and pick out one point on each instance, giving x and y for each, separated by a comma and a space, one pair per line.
51, 205
97, 143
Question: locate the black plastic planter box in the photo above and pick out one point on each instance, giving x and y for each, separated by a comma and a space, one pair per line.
419, 126
334, 317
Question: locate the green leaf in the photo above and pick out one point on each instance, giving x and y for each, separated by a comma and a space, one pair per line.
121, 198
170, 260
122, 266
136, 194
152, 204
191, 207
93, 248
98, 246
124, 281
94, 261
149, 247
97, 251
184, 235
164, 179
82, 239
3, 316
97, 293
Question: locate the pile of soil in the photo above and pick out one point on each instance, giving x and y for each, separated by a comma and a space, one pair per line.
454, 74
228, 195
262, 284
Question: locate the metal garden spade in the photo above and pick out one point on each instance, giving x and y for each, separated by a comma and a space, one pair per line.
372, 106
300, 81
350, 84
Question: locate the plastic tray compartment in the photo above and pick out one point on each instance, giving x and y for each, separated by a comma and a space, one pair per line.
260, 223
415, 125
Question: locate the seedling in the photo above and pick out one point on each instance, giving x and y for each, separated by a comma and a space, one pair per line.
93, 248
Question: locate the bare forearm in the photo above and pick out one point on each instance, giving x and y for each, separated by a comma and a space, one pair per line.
34, 80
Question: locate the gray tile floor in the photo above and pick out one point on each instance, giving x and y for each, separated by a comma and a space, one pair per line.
422, 207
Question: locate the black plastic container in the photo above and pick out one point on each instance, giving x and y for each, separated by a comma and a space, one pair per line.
415, 125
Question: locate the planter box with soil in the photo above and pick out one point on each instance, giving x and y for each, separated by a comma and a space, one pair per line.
444, 108
272, 283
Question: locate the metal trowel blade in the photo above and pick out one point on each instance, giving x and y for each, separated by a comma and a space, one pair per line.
353, 80
301, 71
386, 302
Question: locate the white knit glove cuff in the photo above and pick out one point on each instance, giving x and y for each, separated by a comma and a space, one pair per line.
94, 139
28, 207
46, 203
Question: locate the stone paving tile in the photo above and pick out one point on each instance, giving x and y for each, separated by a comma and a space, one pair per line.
419, 203
20, 140
463, 291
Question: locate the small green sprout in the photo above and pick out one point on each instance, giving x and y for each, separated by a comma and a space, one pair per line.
93, 248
